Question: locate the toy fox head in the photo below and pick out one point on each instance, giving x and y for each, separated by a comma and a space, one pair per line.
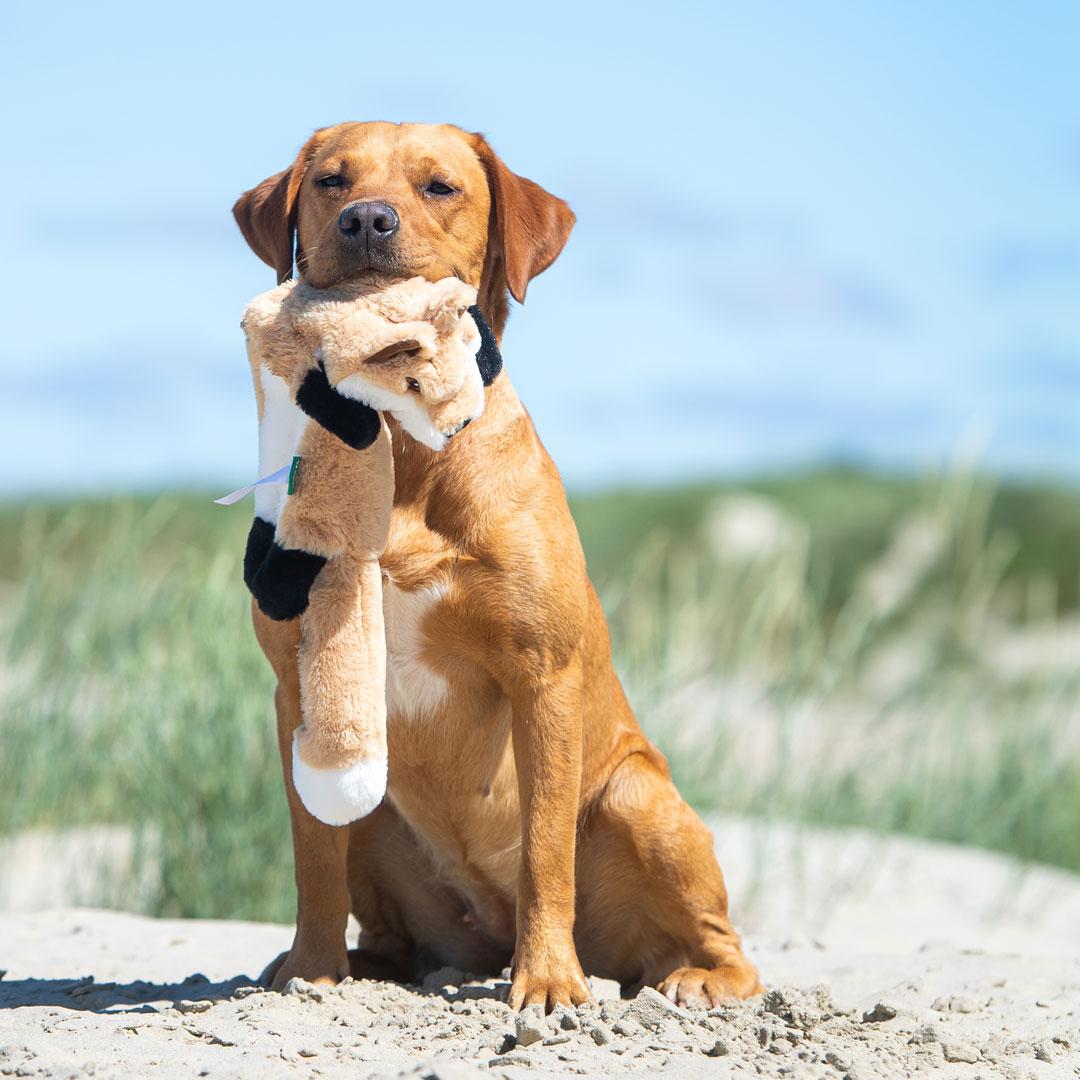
431, 385
408, 349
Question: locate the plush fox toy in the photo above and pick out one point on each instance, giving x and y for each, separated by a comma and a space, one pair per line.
323, 361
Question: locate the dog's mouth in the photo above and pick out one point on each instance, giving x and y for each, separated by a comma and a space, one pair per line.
370, 262
351, 269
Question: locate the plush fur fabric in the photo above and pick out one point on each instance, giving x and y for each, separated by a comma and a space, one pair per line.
337, 355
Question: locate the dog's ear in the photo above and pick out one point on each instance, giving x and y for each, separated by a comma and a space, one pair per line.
529, 228
268, 222
267, 213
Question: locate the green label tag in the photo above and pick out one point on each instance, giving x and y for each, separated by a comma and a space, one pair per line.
293, 473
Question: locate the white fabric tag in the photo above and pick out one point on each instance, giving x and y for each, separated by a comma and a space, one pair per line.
279, 477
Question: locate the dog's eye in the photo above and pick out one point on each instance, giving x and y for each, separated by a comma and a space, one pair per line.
413, 385
330, 181
437, 187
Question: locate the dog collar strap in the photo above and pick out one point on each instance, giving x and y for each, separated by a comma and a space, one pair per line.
488, 359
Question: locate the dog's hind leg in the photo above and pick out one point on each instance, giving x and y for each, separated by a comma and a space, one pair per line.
652, 906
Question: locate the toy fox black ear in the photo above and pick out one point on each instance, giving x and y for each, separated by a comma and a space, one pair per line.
529, 228
267, 213
489, 358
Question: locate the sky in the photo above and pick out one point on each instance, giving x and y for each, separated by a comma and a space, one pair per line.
806, 232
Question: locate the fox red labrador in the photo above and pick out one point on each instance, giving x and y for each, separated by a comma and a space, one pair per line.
528, 820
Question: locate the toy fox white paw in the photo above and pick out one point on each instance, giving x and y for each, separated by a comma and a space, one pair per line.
323, 362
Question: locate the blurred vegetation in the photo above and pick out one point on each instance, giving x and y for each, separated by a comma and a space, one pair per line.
834, 647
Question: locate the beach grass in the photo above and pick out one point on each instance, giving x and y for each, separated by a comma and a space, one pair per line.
832, 647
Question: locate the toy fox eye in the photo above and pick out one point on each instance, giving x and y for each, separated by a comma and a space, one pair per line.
330, 181
413, 385
437, 187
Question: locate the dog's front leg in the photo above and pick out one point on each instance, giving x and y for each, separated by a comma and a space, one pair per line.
547, 752
318, 953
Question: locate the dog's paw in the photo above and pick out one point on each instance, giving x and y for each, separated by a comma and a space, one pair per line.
548, 985
323, 967
705, 988
282, 584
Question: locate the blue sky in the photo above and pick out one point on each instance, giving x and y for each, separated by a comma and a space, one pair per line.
805, 231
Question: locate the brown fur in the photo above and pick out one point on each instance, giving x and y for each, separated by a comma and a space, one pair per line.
527, 814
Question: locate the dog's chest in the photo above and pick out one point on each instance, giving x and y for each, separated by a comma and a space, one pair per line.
451, 767
413, 689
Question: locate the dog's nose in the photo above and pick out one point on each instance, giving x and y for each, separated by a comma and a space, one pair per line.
373, 221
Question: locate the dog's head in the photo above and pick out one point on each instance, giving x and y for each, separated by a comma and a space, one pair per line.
405, 200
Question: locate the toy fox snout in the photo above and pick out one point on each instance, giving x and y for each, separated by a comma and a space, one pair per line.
451, 432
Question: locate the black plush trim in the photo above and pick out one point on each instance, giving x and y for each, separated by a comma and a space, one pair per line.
259, 541
355, 424
283, 581
488, 359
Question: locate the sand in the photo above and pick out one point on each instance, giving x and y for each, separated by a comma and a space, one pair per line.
882, 958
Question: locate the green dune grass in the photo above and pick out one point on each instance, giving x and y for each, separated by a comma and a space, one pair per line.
832, 647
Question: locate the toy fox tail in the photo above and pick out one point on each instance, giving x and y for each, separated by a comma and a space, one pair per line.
339, 752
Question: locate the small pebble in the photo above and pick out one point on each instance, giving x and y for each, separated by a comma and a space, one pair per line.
650, 1008
960, 1052
601, 1034
566, 1018
1044, 1051
301, 988
511, 1059
879, 1014
194, 1006
530, 1026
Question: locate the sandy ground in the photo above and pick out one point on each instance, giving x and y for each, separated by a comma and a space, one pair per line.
883, 958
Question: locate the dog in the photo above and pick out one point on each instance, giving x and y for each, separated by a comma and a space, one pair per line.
528, 821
